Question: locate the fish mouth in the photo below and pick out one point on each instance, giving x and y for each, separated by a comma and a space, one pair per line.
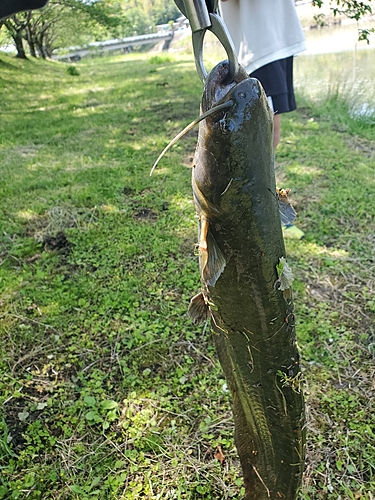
217, 88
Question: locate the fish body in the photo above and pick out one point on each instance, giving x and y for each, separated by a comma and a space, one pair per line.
240, 245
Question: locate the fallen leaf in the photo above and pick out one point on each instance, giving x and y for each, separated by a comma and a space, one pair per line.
219, 455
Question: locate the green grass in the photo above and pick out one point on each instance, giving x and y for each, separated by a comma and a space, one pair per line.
106, 389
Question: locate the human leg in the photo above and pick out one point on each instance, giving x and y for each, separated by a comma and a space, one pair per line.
277, 81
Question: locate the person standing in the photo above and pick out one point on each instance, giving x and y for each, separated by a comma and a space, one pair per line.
267, 34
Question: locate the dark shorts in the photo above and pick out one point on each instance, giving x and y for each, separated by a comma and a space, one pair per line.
277, 81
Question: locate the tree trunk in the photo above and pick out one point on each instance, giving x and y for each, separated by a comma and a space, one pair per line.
29, 34
21, 54
42, 40
48, 49
32, 48
39, 48
15, 29
31, 45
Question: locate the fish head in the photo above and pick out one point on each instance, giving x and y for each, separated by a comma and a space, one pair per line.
230, 139
216, 87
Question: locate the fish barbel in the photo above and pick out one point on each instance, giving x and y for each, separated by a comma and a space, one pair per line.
241, 249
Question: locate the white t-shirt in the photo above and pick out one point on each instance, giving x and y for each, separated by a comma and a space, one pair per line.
263, 30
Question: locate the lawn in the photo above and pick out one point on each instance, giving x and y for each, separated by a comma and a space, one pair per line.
106, 388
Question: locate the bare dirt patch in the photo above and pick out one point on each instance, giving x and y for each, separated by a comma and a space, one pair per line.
361, 145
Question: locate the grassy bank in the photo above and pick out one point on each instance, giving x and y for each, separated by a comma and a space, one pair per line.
106, 389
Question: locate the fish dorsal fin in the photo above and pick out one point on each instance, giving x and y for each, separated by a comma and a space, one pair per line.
199, 309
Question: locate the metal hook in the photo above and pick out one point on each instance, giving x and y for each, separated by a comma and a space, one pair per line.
197, 12
219, 29
202, 16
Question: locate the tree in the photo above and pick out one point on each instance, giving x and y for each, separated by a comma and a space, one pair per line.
15, 26
62, 22
145, 13
164, 11
350, 8
353, 9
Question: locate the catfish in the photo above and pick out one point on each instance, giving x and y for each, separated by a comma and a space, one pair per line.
246, 282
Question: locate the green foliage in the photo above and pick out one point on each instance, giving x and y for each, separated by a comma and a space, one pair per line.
106, 389
138, 22
161, 59
72, 71
164, 11
353, 9
144, 16
64, 21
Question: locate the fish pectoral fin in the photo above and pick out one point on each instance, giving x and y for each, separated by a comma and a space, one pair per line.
199, 309
203, 232
212, 261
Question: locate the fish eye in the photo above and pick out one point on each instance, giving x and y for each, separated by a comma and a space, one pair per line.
226, 126
215, 124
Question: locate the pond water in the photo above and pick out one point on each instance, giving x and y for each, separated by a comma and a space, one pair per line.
336, 61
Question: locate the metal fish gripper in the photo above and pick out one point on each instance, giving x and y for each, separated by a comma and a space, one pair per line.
203, 15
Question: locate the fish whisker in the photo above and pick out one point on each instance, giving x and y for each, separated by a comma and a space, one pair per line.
228, 186
191, 125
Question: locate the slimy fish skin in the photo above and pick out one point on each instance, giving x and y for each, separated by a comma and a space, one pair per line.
240, 246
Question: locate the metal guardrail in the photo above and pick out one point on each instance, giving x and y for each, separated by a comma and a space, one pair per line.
75, 53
